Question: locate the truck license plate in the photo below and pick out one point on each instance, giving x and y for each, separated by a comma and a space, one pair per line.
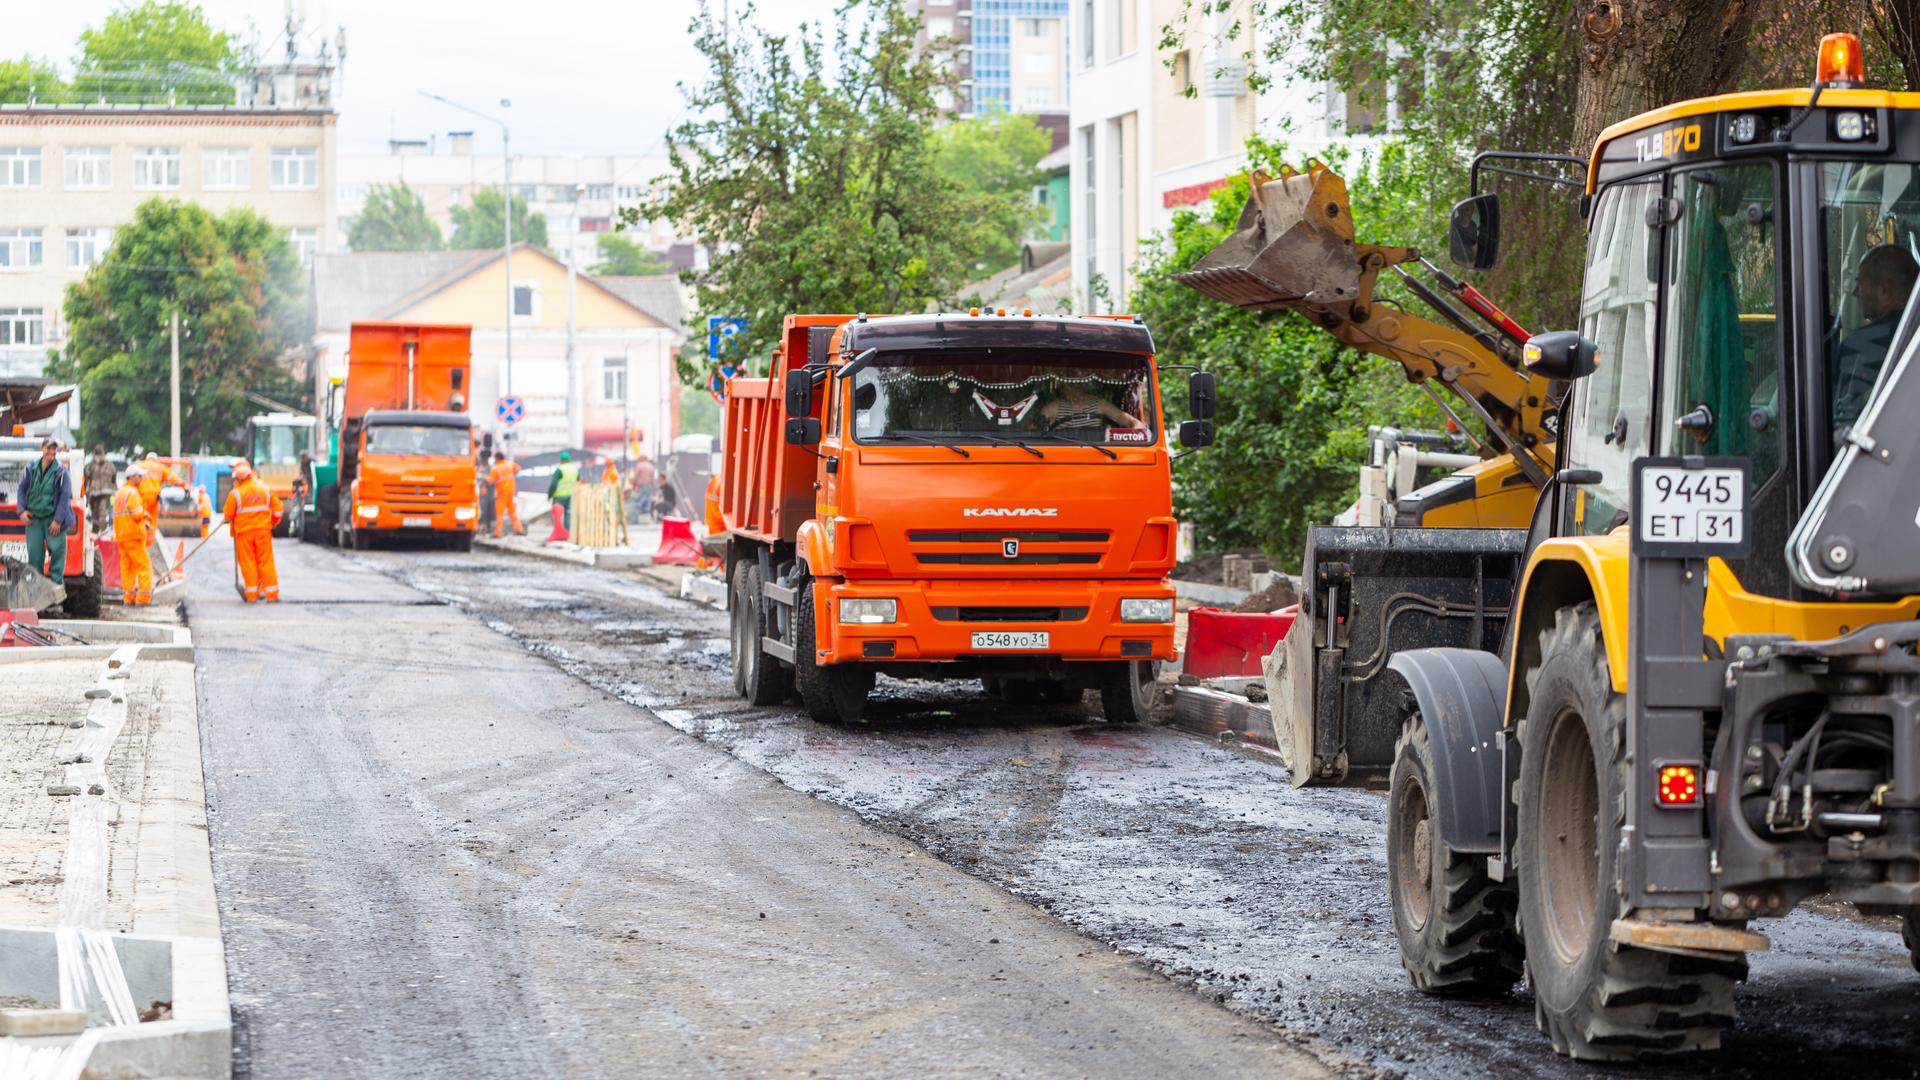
1011, 639
416, 522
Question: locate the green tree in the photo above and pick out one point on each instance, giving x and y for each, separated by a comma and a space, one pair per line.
29, 80
811, 173
1294, 402
236, 283
159, 49
479, 224
998, 158
621, 254
394, 218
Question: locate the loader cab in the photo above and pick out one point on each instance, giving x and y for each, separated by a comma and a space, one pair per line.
1748, 257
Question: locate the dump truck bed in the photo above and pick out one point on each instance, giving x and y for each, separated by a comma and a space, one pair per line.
766, 484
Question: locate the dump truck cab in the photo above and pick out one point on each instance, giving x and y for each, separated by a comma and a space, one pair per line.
970, 495
1701, 713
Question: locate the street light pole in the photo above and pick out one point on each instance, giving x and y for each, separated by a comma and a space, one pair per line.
506, 211
576, 435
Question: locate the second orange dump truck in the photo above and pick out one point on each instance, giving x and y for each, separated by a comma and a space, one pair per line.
953, 496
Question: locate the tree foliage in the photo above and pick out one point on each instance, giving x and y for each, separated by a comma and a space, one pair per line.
479, 224
812, 173
235, 281
622, 255
997, 157
159, 47
29, 80
394, 218
1294, 404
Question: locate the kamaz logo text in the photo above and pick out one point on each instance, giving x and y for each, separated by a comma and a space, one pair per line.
1010, 511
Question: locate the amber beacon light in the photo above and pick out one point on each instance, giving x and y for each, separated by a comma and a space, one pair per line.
1841, 64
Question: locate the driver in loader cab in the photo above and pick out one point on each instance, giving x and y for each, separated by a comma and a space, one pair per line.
1887, 276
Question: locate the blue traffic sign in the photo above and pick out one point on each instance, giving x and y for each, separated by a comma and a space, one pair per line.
720, 334
510, 409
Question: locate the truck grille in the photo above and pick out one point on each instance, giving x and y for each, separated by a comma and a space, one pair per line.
1009, 614
980, 547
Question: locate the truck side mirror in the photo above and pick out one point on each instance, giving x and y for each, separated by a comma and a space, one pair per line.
1195, 434
1473, 235
1202, 395
803, 430
799, 394
1561, 354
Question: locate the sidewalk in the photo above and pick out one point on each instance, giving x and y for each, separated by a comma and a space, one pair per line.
103, 835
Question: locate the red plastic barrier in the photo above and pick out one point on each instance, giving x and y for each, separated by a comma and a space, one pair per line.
677, 545
560, 533
1231, 644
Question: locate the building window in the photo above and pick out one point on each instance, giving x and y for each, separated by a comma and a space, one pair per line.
89, 168
156, 168
1034, 27
558, 193
613, 379
632, 193
20, 249
1038, 97
1086, 33
456, 196
600, 191
1089, 190
595, 224
22, 326
526, 192
526, 301
225, 168
939, 26
19, 166
86, 247
296, 167
305, 242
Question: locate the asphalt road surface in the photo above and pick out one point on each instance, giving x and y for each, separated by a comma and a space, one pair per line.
1176, 860
437, 854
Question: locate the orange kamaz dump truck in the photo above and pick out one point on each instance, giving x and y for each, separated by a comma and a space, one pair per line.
976, 495
401, 454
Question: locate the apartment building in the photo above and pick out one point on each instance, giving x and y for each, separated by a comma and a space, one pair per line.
1009, 56
70, 174
580, 195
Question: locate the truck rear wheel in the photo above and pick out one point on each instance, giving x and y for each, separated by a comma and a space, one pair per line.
1126, 691
737, 625
836, 693
1455, 923
767, 682
1910, 930
1597, 1001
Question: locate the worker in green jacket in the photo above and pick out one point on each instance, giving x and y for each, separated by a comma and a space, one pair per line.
560, 488
46, 502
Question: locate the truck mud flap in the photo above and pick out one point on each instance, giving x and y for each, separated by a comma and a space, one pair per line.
1371, 593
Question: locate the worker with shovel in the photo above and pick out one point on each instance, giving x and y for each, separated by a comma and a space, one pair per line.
252, 512
130, 535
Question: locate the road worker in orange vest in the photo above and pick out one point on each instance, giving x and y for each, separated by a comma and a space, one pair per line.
130, 535
153, 477
251, 513
501, 477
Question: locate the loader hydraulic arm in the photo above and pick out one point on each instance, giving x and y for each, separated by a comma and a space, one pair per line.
1293, 250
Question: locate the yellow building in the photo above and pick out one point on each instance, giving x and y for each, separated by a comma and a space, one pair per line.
624, 335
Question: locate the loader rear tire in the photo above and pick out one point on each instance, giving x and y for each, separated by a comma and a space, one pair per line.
767, 680
83, 596
1597, 1001
1456, 924
836, 693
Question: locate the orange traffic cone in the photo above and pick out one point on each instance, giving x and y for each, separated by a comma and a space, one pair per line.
560, 533
179, 557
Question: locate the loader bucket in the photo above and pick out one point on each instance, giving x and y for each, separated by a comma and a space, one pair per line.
26, 588
1293, 246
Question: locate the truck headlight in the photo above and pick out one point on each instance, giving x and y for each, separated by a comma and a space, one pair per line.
1159, 609
464, 513
868, 611
368, 510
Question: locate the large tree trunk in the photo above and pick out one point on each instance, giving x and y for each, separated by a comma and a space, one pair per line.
1637, 55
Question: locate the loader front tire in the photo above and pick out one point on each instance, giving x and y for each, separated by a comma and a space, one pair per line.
1455, 924
1597, 1000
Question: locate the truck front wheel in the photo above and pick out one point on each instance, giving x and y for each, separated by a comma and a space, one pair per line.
1455, 923
1597, 1000
1126, 691
836, 693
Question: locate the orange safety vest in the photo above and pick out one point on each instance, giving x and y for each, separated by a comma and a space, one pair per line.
251, 507
129, 515
501, 477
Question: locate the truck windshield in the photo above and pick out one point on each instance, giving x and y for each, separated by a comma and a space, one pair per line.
1036, 395
1870, 222
280, 444
421, 440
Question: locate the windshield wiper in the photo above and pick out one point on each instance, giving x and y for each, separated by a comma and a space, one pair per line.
1064, 441
929, 440
1004, 440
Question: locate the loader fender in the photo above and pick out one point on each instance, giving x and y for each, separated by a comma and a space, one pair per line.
1460, 693
812, 544
1563, 572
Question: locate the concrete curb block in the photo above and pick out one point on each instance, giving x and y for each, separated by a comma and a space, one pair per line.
158, 641
704, 590
1211, 595
1220, 715
603, 560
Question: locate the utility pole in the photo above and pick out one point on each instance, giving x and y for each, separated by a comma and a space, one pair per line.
173, 375
576, 434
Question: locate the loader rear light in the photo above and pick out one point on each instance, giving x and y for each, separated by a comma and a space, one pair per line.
1679, 786
1840, 61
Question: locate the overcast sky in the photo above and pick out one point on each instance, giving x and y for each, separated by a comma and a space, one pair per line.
584, 76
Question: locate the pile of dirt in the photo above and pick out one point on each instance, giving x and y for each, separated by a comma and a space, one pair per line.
1207, 568
1272, 598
